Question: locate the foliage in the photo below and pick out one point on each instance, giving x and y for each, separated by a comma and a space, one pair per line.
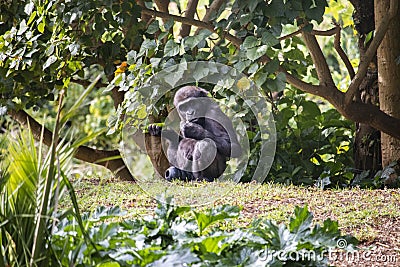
46, 45
172, 237
91, 117
314, 146
383, 178
49, 44
33, 181
25, 200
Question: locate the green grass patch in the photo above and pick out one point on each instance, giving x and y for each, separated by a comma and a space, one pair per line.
358, 211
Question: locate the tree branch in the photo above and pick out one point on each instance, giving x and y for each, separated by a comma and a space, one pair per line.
371, 51
237, 42
323, 71
342, 54
371, 115
290, 35
213, 9
329, 32
234, 40
183, 20
162, 5
355, 111
105, 158
143, 17
189, 13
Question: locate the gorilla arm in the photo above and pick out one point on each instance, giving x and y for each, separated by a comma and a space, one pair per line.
227, 143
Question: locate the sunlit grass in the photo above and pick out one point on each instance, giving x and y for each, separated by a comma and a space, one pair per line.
356, 210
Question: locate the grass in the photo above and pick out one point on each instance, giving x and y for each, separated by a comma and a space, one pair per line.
359, 212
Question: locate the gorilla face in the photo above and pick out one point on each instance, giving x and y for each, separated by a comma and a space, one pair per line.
193, 110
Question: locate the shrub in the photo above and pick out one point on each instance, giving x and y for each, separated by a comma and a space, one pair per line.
173, 238
314, 146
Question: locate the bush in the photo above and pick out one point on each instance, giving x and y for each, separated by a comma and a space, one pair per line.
313, 146
173, 237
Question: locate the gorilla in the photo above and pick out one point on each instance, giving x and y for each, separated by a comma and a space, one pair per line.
206, 140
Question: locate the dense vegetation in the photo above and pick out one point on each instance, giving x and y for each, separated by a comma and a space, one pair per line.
82, 69
51, 46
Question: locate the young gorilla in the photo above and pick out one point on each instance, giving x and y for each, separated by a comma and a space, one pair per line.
207, 139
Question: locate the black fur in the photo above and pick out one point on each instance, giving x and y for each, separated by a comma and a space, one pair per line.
207, 139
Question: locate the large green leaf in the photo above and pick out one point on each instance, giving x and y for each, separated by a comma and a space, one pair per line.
171, 49
214, 215
255, 53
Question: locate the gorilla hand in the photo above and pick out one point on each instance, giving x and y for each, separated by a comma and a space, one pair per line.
193, 130
154, 130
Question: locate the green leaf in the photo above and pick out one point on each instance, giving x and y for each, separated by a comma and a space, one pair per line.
220, 213
314, 9
31, 18
200, 72
250, 42
278, 84
109, 264
368, 37
141, 112
147, 45
311, 108
176, 258
50, 60
275, 8
272, 66
74, 48
242, 65
29, 8
41, 27
301, 221
245, 18
171, 48
253, 68
256, 52
269, 39
192, 41
153, 27
22, 27
102, 213
77, 104
260, 78
212, 244
168, 24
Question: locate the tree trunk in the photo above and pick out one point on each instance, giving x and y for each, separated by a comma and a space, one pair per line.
156, 154
367, 148
367, 143
389, 78
107, 158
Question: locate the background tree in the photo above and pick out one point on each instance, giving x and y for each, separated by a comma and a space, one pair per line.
47, 46
367, 149
389, 75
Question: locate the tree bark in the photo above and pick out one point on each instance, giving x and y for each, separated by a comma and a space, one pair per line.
389, 78
189, 13
159, 160
106, 158
367, 147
